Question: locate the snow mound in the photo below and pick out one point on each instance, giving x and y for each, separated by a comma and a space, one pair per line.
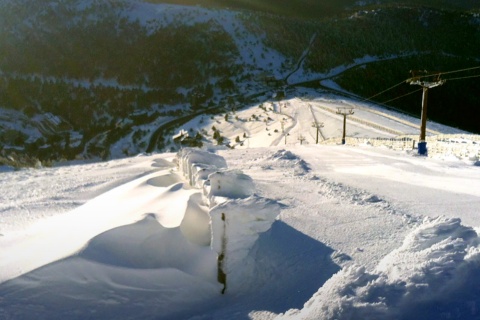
298, 165
434, 272
284, 155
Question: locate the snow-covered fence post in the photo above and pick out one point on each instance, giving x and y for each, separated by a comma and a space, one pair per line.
236, 225
237, 219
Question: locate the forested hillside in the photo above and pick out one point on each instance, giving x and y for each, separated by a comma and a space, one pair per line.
78, 75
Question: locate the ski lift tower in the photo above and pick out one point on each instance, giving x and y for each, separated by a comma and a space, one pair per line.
345, 111
419, 80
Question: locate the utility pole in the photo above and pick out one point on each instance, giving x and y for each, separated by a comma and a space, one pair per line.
416, 79
345, 111
317, 125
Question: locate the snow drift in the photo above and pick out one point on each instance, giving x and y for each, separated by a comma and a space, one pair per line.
155, 240
433, 275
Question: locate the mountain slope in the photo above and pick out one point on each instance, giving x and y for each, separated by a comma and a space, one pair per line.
86, 74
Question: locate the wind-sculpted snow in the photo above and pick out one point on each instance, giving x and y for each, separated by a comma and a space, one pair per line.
433, 275
196, 165
156, 235
229, 184
237, 216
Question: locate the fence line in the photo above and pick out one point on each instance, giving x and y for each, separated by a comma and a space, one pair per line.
459, 145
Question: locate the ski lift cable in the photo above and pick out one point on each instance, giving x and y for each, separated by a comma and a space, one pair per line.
407, 94
394, 86
449, 72
439, 73
466, 77
451, 79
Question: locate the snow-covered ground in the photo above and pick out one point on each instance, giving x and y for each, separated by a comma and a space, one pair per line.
278, 227
285, 227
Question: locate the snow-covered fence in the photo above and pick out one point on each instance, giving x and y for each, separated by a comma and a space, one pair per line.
463, 146
196, 165
222, 185
237, 215
404, 143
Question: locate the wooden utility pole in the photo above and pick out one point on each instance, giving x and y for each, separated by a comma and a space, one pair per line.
317, 125
345, 111
417, 80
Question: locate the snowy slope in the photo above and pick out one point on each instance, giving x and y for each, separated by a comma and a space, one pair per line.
291, 121
362, 232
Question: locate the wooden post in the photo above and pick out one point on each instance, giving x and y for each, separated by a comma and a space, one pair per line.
221, 275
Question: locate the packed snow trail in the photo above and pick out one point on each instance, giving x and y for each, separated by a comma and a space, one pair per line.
323, 209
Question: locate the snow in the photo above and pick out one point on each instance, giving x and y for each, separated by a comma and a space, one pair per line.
430, 269
285, 231
276, 227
